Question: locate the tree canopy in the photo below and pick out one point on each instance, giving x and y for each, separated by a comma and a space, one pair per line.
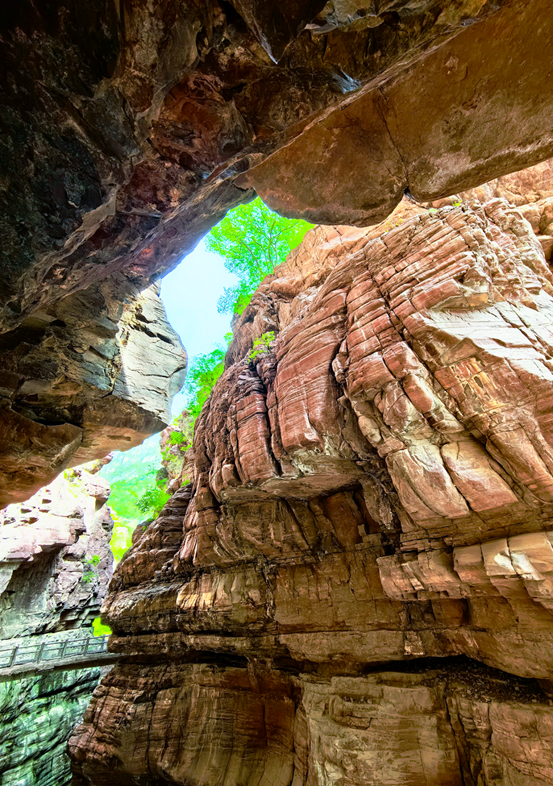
203, 372
253, 240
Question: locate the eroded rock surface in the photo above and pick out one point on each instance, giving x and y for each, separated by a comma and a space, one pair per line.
124, 134
96, 372
55, 560
36, 717
375, 488
55, 565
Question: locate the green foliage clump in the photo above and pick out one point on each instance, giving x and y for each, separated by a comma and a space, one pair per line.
253, 240
98, 629
262, 345
133, 476
136, 493
89, 572
176, 438
121, 537
153, 500
203, 373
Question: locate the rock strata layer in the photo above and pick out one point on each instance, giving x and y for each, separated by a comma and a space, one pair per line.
376, 488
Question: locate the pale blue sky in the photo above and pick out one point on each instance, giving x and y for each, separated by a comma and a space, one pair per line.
190, 294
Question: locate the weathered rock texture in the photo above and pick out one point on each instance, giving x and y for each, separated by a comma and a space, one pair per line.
177, 454
377, 488
440, 728
96, 372
55, 560
36, 718
124, 132
132, 129
55, 565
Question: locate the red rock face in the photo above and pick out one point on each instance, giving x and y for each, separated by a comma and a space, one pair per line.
131, 131
375, 488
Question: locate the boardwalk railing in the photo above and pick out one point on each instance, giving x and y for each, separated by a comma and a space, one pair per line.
68, 650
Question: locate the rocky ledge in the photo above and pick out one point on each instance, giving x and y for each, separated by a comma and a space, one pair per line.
73, 382
358, 585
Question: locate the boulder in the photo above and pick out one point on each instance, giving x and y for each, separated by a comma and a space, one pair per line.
73, 382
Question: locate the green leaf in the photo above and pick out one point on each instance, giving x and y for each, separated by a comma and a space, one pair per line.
98, 629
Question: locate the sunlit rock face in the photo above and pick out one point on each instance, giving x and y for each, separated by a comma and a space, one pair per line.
361, 587
132, 129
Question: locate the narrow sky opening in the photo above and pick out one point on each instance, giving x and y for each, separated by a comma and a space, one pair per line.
189, 294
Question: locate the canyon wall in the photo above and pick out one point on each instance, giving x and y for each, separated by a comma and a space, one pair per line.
37, 716
357, 585
132, 129
55, 565
376, 488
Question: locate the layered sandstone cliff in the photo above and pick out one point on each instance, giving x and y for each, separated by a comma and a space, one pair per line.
357, 587
126, 131
129, 129
133, 128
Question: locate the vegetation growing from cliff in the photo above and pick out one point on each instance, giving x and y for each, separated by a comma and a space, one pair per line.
262, 345
136, 492
203, 372
253, 240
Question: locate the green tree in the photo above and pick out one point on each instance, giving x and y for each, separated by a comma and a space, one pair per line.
253, 240
136, 493
203, 372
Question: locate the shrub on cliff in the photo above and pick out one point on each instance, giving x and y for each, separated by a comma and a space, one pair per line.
253, 240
